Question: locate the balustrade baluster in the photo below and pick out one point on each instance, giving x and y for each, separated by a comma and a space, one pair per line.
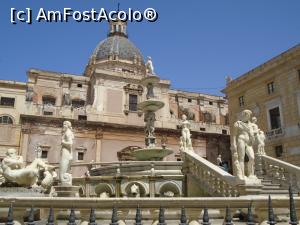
31, 217
50, 220
161, 216
92, 217
138, 216
72, 218
10, 216
114, 217
183, 219
205, 219
228, 218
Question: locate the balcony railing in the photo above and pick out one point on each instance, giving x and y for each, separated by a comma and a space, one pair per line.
275, 133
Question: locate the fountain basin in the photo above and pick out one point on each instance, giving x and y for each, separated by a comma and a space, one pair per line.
151, 154
150, 79
150, 105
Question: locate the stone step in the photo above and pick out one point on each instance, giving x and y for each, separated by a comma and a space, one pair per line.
279, 191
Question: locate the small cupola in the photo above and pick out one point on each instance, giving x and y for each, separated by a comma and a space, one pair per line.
118, 28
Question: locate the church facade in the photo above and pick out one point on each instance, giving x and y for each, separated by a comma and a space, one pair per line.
102, 104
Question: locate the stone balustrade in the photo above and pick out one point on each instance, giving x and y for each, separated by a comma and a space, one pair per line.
211, 178
279, 172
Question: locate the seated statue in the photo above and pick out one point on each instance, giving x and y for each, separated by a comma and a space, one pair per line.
13, 171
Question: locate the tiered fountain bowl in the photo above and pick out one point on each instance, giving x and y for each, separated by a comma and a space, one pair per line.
152, 104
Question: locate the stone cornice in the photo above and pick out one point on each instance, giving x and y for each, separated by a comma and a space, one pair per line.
290, 54
104, 126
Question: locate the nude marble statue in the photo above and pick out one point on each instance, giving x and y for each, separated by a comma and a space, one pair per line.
185, 139
149, 66
242, 142
65, 177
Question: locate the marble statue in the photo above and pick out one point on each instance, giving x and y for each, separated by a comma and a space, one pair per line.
67, 98
149, 119
260, 138
29, 94
261, 142
185, 139
38, 151
104, 195
219, 160
228, 79
149, 66
135, 190
65, 177
169, 194
242, 143
13, 171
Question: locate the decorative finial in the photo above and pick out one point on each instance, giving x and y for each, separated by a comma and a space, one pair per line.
293, 214
10, 216
271, 212
118, 7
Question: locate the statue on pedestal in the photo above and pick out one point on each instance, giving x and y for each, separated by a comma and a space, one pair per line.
243, 139
185, 139
65, 177
13, 171
149, 66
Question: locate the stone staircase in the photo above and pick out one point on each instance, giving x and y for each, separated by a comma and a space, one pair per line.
276, 176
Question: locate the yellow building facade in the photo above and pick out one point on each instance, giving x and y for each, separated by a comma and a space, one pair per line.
272, 92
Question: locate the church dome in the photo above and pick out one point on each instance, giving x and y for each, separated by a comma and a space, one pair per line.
117, 45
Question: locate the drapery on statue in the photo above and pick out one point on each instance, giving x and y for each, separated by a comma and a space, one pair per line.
65, 177
185, 139
244, 138
13, 171
149, 66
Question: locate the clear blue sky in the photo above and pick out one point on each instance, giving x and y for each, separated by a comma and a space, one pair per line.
195, 44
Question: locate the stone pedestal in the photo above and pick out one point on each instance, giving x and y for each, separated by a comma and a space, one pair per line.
67, 191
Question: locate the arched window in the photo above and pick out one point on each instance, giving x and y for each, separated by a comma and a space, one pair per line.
49, 100
6, 120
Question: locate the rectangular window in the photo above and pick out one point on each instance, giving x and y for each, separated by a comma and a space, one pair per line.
210, 103
299, 75
224, 131
202, 129
46, 113
241, 101
133, 102
270, 87
80, 156
44, 154
275, 118
278, 150
7, 101
82, 117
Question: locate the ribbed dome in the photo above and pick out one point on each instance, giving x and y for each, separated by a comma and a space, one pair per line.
117, 45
